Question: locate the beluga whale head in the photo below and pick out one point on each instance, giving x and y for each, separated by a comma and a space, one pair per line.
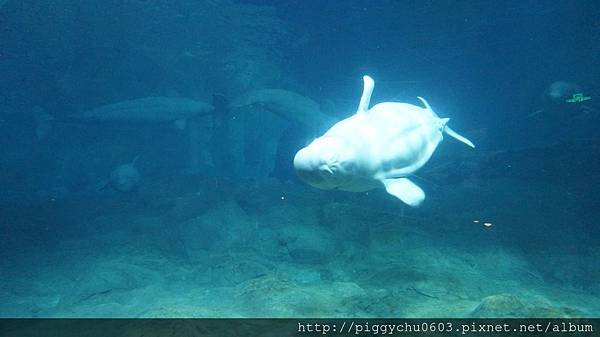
124, 178
321, 163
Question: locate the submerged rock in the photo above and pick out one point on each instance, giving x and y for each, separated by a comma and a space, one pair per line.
232, 269
507, 305
308, 244
278, 295
220, 229
500, 305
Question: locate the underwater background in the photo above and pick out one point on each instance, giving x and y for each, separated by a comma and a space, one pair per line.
160, 211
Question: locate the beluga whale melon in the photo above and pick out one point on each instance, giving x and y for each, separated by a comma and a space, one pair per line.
377, 147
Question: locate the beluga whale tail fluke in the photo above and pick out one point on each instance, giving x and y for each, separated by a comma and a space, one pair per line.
377, 147
447, 129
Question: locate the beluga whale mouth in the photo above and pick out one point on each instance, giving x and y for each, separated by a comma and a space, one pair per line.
318, 163
376, 147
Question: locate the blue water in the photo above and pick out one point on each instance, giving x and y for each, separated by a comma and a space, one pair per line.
214, 222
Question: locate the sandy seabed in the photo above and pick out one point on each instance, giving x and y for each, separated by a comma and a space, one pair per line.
198, 247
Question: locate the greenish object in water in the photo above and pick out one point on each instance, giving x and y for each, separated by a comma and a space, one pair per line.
578, 98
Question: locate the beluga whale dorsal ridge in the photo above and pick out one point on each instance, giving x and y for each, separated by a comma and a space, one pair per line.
376, 147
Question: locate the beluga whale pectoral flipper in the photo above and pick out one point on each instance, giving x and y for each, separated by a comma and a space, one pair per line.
447, 129
379, 146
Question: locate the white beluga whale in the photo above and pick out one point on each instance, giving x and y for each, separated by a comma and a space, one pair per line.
149, 109
377, 147
289, 105
124, 178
